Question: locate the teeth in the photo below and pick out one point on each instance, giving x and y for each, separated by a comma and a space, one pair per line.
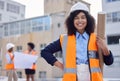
79, 24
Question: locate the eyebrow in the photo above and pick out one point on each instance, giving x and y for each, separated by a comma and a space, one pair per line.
82, 15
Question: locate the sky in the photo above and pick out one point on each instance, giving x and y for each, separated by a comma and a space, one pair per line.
36, 7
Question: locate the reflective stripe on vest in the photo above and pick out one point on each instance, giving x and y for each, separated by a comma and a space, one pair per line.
93, 54
95, 70
66, 70
67, 43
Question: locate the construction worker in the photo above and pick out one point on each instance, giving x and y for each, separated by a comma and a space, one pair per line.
79, 48
10, 62
30, 71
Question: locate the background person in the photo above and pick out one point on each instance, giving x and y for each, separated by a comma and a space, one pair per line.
30, 72
10, 62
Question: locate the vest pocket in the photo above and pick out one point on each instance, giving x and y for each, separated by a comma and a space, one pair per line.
97, 76
69, 77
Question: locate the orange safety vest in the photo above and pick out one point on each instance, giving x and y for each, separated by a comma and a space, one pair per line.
10, 66
68, 44
33, 52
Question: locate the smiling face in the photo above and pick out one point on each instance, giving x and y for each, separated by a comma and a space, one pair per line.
80, 22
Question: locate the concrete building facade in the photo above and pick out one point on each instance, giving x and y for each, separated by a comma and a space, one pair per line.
38, 30
112, 9
11, 11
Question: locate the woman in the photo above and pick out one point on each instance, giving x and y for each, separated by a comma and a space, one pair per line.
30, 71
10, 62
79, 48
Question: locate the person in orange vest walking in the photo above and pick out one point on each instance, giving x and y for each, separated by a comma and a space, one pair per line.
30, 71
10, 62
79, 48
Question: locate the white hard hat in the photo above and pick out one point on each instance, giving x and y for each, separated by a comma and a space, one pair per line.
79, 6
9, 46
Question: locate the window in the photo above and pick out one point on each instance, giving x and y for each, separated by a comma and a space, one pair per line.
22, 27
14, 28
58, 54
19, 74
27, 26
42, 46
6, 33
1, 31
37, 28
0, 62
113, 39
42, 74
59, 25
46, 23
19, 48
113, 17
1, 5
0, 17
13, 8
111, 0
109, 17
41, 23
37, 24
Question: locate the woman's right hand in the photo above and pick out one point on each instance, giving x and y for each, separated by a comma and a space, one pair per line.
59, 65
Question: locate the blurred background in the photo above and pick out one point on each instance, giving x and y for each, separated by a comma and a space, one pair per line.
42, 21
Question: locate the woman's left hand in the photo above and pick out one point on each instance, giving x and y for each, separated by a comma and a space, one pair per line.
101, 44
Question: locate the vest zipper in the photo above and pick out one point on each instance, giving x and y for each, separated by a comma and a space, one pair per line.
89, 59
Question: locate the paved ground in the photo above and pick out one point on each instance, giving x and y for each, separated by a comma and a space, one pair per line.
5, 79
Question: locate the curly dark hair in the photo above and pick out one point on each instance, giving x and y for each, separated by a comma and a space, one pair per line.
70, 22
32, 46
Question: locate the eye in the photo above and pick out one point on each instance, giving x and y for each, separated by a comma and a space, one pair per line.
83, 17
76, 18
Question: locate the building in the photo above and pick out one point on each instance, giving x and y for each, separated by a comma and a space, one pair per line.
112, 9
11, 11
52, 6
39, 30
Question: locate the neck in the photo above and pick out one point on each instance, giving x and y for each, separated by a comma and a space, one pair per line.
30, 50
81, 31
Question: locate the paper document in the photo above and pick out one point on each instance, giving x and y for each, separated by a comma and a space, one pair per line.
23, 61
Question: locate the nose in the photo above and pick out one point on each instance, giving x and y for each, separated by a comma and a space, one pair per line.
80, 20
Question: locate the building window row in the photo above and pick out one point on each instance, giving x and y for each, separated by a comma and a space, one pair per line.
113, 17
26, 26
13, 8
111, 0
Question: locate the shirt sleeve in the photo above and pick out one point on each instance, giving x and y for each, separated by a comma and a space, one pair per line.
8, 58
48, 51
108, 60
